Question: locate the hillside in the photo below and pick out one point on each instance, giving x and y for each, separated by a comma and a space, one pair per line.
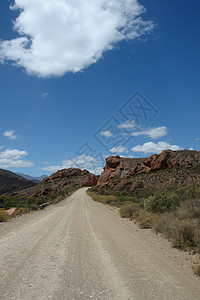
157, 172
52, 189
161, 192
11, 182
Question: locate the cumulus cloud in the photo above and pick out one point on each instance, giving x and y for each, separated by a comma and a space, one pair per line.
151, 147
52, 168
82, 161
153, 133
10, 134
14, 158
106, 133
127, 124
119, 149
55, 37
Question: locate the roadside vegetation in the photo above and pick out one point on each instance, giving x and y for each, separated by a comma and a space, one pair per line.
175, 213
24, 204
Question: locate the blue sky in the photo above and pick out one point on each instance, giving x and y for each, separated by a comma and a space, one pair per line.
73, 84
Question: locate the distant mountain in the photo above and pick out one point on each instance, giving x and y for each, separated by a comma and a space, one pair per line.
11, 182
32, 178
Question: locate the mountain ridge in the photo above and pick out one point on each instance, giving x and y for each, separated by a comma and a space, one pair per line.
36, 179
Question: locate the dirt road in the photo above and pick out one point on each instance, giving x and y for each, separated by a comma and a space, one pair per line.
80, 249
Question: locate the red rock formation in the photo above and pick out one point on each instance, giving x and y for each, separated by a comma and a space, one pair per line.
63, 179
167, 159
89, 180
122, 185
117, 166
65, 173
127, 168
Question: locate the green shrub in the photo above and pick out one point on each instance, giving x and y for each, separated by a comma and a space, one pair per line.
162, 202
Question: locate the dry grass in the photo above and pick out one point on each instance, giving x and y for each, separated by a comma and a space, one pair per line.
183, 234
174, 214
4, 217
146, 220
105, 199
189, 209
129, 210
181, 225
196, 267
133, 212
20, 211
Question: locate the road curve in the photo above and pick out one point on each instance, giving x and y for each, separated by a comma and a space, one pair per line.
80, 249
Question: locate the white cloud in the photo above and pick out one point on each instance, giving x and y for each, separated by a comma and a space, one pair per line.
153, 133
90, 163
127, 124
52, 168
10, 134
151, 147
55, 37
191, 149
197, 139
44, 95
107, 133
14, 158
119, 149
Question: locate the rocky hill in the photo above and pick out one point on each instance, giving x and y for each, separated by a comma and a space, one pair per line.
60, 181
159, 171
11, 182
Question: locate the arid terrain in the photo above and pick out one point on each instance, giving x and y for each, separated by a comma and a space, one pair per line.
82, 249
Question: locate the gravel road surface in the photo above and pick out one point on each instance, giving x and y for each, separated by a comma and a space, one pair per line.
81, 249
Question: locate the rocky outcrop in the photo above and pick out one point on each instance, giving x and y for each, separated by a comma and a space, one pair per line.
117, 166
65, 173
89, 180
121, 173
167, 159
61, 181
